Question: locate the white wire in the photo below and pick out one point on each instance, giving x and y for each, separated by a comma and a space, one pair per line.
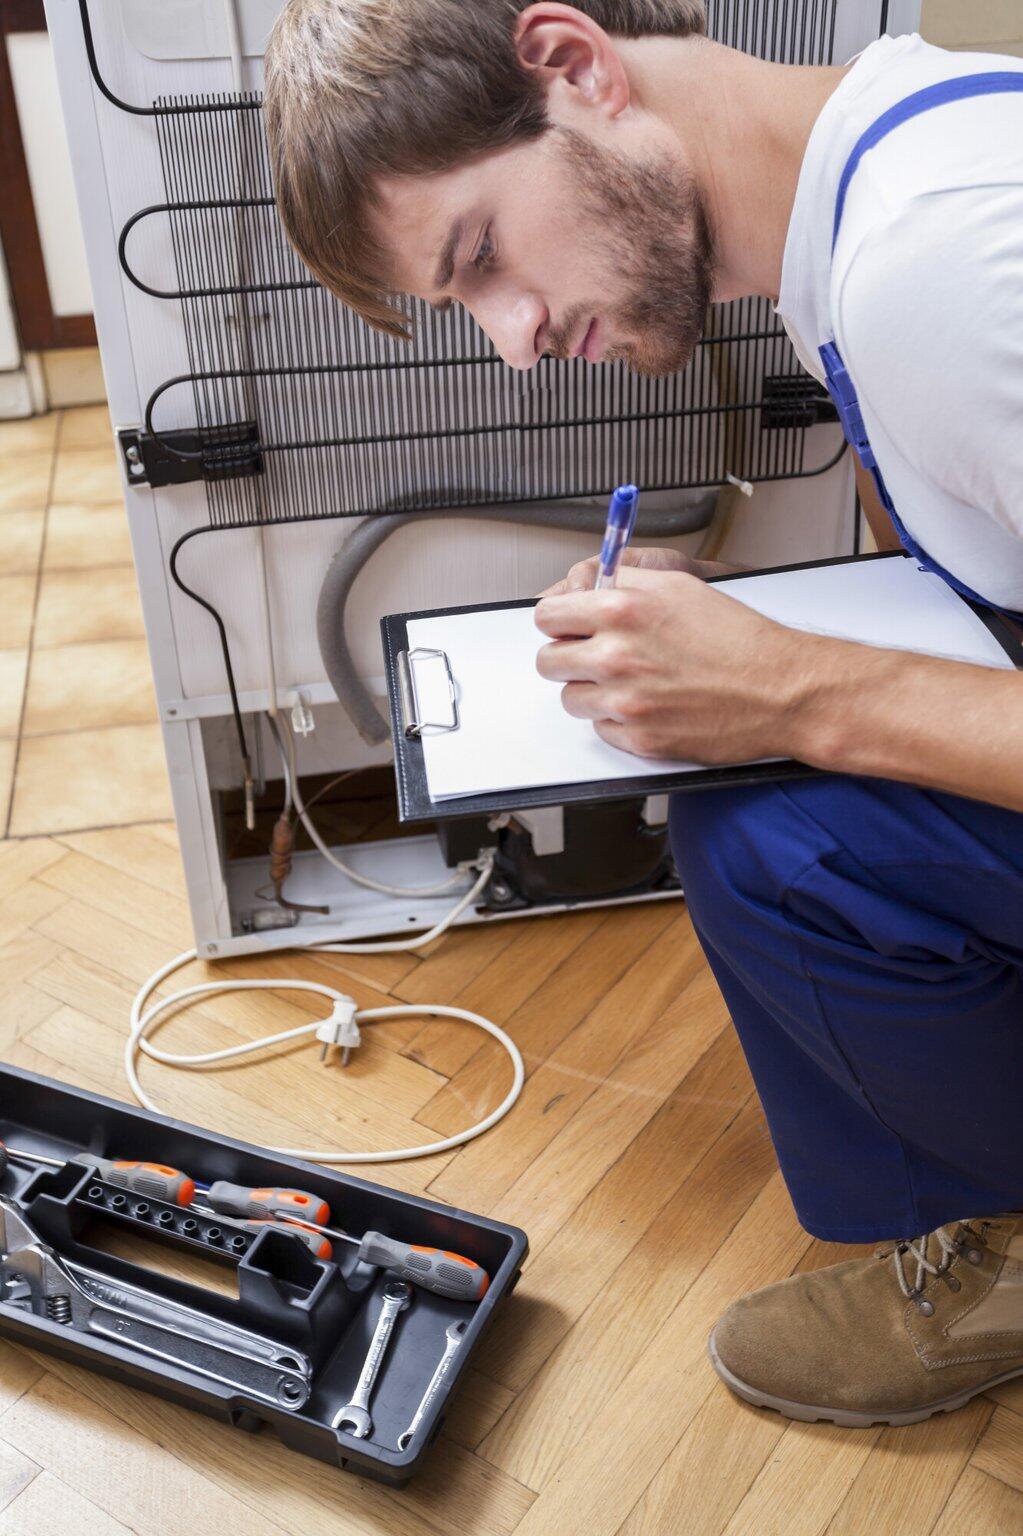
279, 729
392, 946
142, 1022
273, 708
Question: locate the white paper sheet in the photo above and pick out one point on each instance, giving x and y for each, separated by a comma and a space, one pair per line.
513, 732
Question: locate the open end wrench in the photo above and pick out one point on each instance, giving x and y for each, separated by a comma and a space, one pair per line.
354, 1416
453, 1338
78, 1297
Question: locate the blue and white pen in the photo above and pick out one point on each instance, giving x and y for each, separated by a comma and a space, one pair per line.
621, 520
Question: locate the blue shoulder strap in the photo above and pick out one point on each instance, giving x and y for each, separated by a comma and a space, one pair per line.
836, 376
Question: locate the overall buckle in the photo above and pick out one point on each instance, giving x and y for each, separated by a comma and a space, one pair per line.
843, 394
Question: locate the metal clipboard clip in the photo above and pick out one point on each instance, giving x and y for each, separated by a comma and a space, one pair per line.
409, 697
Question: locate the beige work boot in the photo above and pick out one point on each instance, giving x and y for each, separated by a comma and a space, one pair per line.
920, 1328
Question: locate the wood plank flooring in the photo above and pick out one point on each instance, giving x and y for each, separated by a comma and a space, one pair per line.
637, 1160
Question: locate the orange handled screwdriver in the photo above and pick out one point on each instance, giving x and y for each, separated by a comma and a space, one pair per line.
154, 1179
310, 1236
264, 1204
435, 1269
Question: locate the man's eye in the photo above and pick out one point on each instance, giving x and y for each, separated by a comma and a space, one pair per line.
485, 254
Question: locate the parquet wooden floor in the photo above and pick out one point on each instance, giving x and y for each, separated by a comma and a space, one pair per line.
637, 1160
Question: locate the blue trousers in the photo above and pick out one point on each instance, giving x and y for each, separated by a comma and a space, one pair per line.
868, 940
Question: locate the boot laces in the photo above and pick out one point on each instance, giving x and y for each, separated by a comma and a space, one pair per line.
917, 1248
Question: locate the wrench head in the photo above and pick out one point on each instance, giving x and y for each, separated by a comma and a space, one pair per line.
353, 1420
398, 1290
15, 1231
34, 1270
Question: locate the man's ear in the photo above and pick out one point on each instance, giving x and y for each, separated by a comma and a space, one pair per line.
572, 52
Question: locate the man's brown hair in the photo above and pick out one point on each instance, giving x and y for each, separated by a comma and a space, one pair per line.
362, 89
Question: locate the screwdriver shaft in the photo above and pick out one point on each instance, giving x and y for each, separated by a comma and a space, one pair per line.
346, 1237
33, 1157
141, 1178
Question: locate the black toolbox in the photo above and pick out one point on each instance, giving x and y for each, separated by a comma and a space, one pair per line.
323, 1312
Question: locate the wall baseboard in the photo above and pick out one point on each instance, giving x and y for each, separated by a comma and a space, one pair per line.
73, 376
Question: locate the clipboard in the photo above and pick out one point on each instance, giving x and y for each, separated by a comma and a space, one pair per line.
408, 722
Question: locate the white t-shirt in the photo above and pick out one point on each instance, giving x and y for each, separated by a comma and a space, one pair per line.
924, 299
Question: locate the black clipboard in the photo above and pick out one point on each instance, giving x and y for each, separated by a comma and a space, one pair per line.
415, 805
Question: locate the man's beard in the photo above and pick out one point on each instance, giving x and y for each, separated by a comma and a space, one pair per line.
655, 230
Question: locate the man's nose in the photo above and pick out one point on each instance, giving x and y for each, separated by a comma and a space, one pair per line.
516, 325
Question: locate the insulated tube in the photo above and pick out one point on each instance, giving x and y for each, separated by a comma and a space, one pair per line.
658, 523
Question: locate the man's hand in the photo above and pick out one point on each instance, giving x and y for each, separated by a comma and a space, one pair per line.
666, 666
582, 577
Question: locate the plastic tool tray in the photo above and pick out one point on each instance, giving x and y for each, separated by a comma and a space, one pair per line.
318, 1316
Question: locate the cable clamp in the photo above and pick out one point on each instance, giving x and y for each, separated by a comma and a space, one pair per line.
302, 721
340, 1030
476, 866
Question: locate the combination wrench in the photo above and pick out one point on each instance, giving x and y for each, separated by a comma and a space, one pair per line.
453, 1338
397, 1296
71, 1294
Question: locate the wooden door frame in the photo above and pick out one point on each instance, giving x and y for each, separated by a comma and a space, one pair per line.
38, 327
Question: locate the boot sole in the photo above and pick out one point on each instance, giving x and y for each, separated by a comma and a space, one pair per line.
808, 1413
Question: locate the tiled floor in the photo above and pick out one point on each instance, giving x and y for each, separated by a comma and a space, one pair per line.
79, 743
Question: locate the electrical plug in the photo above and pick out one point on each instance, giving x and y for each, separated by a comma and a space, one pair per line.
340, 1030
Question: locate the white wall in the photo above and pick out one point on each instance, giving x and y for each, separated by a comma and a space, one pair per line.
49, 171
987, 26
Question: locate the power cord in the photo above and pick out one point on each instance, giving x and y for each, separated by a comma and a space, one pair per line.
340, 1029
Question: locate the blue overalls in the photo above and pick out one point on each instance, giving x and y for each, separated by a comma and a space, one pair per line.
867, 937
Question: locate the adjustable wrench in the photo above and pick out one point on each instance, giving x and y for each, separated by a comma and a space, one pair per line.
397, 1296
75, 1296
453, 1338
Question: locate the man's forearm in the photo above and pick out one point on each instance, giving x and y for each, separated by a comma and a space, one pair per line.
890, 714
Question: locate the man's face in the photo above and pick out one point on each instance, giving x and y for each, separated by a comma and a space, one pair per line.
559, 245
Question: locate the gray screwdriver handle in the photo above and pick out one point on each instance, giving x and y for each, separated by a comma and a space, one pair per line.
435, 1269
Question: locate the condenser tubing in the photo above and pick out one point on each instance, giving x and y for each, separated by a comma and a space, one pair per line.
235, 105
201, 293
372, 439
221, 631
298, 372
